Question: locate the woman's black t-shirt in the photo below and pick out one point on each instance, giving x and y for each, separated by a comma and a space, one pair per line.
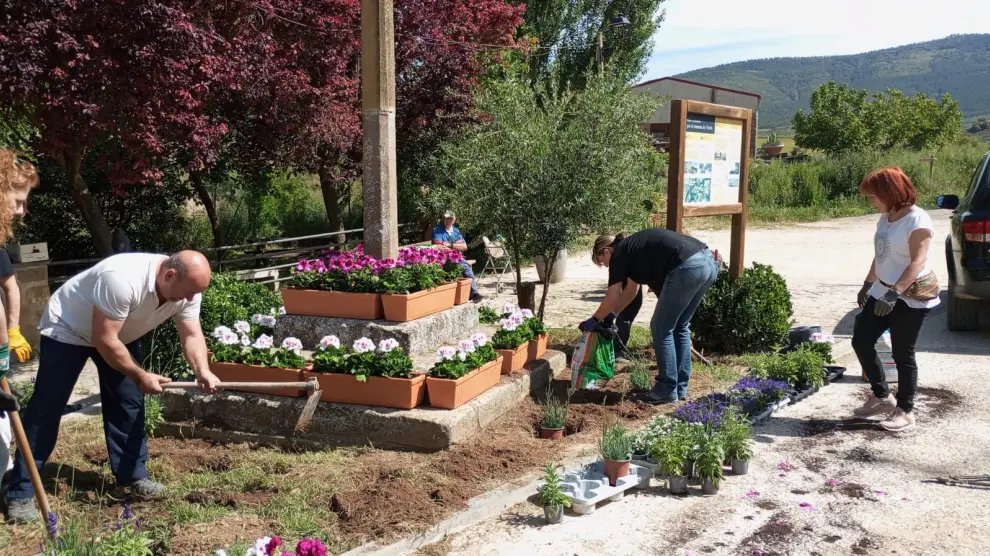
647, 257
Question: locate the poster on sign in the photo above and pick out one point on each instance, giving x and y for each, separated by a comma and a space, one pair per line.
712, 159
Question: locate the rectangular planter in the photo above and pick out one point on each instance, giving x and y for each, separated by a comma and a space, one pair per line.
408, 307
346, 305
239, 372
514, 359
463, 293
537, 347
400, 393
449, 394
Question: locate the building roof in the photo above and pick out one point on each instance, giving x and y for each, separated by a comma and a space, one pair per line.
679, 80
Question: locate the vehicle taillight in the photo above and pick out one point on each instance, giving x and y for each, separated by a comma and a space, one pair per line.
977, 231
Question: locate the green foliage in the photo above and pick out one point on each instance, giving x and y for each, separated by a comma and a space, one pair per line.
615, 443
22, 391
275, 357
736, 437
487, 315
125, 537
391, 362
710, 456
639, 376
511, 339
154, 414
546, 169
808, 367
226, 301
773, 139
823, 349
551, 493
671, 454
554, 411
659, 426
843, 119
751, 314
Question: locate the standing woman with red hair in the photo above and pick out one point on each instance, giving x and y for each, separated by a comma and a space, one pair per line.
898, 294
17, 178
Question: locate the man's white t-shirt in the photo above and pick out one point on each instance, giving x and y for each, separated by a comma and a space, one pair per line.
892, 252
121, 287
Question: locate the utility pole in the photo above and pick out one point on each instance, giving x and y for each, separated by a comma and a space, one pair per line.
600, 52
381, 221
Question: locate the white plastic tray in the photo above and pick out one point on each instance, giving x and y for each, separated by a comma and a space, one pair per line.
588, 486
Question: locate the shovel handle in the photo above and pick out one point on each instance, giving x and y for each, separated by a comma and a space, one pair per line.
236, 385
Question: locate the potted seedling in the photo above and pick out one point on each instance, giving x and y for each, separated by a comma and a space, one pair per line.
711, 454
615, 448
773, 145
670, 453
552, 494
737, 442
554, 417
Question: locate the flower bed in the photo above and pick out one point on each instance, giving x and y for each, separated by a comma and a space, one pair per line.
463, 373
234, 357
419, 282
365, 374
519, 338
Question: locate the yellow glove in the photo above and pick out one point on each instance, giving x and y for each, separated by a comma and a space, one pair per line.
19, 346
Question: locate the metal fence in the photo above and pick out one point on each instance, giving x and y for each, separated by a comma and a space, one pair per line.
268, 262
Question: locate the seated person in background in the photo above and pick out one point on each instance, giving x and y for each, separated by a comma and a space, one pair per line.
447, 235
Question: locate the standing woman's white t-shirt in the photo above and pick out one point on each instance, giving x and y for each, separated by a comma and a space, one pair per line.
892, 252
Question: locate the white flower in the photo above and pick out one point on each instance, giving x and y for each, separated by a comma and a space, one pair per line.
330, 341
220, 331
228, 338
526, 313
245, 341
292, 343
508, 324
363, 345
263, 342
221, 553
260, 547
479, 339
256, 318
467, 346
242, 326
387, 345
516, 319
281, 311
267, 321
461, 355
509, 308
445, 353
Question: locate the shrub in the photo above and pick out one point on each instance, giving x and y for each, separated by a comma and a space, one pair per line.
227, 300
153, 414
751, 314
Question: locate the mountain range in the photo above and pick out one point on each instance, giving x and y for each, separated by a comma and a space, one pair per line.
958, 65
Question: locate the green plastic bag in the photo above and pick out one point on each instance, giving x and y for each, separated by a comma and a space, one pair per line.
593, 360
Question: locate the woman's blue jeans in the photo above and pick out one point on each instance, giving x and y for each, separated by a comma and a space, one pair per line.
671, 325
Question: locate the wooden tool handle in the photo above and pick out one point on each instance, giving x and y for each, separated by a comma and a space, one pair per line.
237, 385
25, 449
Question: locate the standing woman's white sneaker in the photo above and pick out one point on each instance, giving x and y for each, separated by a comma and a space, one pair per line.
898, 421
876, 406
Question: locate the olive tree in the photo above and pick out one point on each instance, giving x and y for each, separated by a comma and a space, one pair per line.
547, 168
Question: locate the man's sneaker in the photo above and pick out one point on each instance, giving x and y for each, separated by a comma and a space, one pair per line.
146, 488
475, 298
21, 510
876, 406
898, 421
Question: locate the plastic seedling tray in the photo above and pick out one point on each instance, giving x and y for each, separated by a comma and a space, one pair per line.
833, 373
588, 486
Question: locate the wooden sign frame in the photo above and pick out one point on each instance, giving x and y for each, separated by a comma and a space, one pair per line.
676, 211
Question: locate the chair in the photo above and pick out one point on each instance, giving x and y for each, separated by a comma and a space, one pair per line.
497, 263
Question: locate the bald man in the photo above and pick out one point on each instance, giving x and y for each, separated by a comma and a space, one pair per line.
101, 314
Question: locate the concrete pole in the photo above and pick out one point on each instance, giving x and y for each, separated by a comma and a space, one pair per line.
381, 221
600, 52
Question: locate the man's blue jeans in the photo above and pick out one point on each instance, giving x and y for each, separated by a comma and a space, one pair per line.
671, 325
123, 413
469, 273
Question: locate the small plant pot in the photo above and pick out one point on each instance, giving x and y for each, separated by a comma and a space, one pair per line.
553, 514
708, 487
740, 466
551, 434
677, 485
615, 470
773, 150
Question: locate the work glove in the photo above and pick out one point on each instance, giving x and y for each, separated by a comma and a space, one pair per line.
864, 294
589, 325
609, 321
885, 305
18, 344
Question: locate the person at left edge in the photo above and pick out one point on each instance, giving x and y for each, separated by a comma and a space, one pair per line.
447, 235
101, 314
19, 346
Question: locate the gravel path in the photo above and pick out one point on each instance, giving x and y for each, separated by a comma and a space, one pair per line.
849, 487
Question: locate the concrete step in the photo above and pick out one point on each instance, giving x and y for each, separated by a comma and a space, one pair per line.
254, 416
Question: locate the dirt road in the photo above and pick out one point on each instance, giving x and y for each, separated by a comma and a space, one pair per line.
821, 483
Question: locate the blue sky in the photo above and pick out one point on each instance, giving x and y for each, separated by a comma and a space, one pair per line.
704, 33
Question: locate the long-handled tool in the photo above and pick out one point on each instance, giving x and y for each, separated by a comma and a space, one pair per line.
25, 450
312, 386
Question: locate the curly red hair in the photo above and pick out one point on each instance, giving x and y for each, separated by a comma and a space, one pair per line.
892, 186
15, 173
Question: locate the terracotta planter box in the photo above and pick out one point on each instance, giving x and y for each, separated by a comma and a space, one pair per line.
239, 372
449, 394
407, 307
400, 393
346, 305
463, 292
515, 359
537, 347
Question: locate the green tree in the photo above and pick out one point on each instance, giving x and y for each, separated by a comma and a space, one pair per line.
839, 121
566, 32
546, 169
